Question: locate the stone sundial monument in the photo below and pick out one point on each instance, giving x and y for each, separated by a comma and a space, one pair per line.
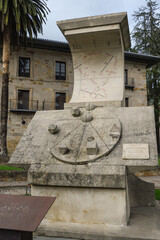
86, 155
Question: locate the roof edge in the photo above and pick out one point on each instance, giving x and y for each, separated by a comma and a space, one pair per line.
64, 47
150, 60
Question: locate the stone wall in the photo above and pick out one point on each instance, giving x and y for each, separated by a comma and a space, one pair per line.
17, 124
42, 85
137, 77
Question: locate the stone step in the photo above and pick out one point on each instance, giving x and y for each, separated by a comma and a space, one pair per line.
13, 175
52, 238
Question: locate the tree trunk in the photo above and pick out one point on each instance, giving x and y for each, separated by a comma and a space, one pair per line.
4, 94
157, 127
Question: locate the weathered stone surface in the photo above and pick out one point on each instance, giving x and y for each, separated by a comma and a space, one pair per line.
75, 111
106, 172
92, 148
115, 131
37, 142
141, 193
63, 149
90, 106
97, 51
74, 134
95, 176
87, 117
53, 129
143, 225
102, 20
86, 205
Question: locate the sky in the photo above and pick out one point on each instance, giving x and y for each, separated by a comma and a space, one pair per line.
69, 9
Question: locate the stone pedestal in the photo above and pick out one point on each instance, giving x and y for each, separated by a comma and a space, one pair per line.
86, 205
87, 154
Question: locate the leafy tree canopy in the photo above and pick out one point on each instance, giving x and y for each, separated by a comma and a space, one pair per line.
23, 17
146, 33
146, 39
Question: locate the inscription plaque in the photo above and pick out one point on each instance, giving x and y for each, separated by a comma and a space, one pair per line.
23, 213
135, 151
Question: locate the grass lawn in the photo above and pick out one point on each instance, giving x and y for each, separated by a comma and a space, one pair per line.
8, 168
157, 194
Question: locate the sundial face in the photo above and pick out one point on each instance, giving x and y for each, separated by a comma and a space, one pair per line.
84, 138
97, 75
97, 90
96, 86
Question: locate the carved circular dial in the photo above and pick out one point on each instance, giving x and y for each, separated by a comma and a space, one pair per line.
85, 138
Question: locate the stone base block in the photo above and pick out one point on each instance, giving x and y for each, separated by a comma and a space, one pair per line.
86, 205
143, 225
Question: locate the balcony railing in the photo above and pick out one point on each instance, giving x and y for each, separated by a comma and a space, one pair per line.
48, 105
31, 105
129, 83
23, 105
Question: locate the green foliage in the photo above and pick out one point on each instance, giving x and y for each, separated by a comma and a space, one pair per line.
24, 18
153, 86
159, 160
146, 32
9, 168
145, 36
157, 194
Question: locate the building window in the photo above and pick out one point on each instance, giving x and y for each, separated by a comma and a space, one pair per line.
126, 77
24, 67
60, 71
126, 102
23, 99
60, 100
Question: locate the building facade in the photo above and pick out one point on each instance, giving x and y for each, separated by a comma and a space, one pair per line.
41, 78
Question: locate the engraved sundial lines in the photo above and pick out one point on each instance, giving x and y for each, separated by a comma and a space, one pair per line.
78, 67
99, 136
72, 139
70, 126
108, 126
80, 143
88, 133
95, 89
96, 71
94, 64
75, 67
106, 64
